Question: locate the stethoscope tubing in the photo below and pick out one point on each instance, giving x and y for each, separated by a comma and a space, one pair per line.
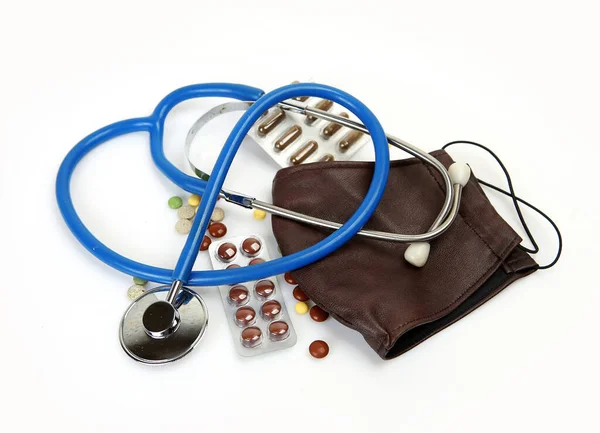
154, 124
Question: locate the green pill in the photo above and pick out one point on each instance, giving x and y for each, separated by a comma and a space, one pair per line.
139, 281
175, 202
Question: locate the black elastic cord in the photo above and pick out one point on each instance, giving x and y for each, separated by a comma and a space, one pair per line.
516, 200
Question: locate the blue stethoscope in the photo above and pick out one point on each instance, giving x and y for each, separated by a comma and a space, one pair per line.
166, 323
156, 330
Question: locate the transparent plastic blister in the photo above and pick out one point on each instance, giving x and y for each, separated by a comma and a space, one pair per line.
255, 310
292, 138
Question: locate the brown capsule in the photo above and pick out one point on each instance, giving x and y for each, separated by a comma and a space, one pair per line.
205, 243
270, 310
324, 105
349, 140
318, 314
238, 295
264, 289
279, 330
217, 230
300, 295
251, 337
288, 138
289, 278
245, 316
271, 122
227, 252
257, 261
318, 349
327, 157
304, 152
332, 128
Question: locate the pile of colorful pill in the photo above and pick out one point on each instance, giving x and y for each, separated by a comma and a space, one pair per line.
318, 348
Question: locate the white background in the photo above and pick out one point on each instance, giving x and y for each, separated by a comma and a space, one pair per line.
518, 76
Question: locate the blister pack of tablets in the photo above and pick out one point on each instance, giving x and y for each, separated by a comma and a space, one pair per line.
292, 138
255, 310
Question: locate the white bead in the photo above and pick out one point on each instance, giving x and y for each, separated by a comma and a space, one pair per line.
417, 254
459, 173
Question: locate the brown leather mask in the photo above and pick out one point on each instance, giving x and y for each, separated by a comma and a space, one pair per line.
367, 285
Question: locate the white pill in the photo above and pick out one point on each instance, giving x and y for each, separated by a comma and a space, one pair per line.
218, 215
135, 291
183, 226
186, 212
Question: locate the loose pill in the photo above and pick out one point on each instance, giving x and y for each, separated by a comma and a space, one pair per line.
271, 122
251, 247
318, 314
259, 214
194, 200
327, 157
264, 289
251, 337
279, 330
205, 243
349, 140
227, 252
332, 127
218, 215
135, 291
256, 261
139, 281
186, 212
301, 307
238, 295
183, 226
287, 138
289, 278
324, 105
175, 202
244, 316
304, 152
299, 295
318, 349
217, 230
270, 310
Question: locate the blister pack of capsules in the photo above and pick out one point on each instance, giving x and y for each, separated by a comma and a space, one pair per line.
292, 138
255, 310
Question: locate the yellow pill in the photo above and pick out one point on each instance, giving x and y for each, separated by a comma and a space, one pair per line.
194, 200
259, 214
301, 308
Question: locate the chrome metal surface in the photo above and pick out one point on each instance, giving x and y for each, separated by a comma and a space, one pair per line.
441, 223
192, 321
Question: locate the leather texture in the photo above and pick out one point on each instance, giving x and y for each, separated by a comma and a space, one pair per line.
367, 285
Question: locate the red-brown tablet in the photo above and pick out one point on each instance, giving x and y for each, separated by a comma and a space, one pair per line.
256, 261
205, 243
251, 247
300, 295
279, 330
217, 230
227, 252
238, 295
264, 289
318, 349
318, 314
270, 310
289, 278
251, 337
245, 316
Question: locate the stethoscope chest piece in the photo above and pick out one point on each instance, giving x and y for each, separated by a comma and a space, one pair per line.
155, 331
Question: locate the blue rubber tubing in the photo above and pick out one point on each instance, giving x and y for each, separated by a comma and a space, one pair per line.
209, 190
